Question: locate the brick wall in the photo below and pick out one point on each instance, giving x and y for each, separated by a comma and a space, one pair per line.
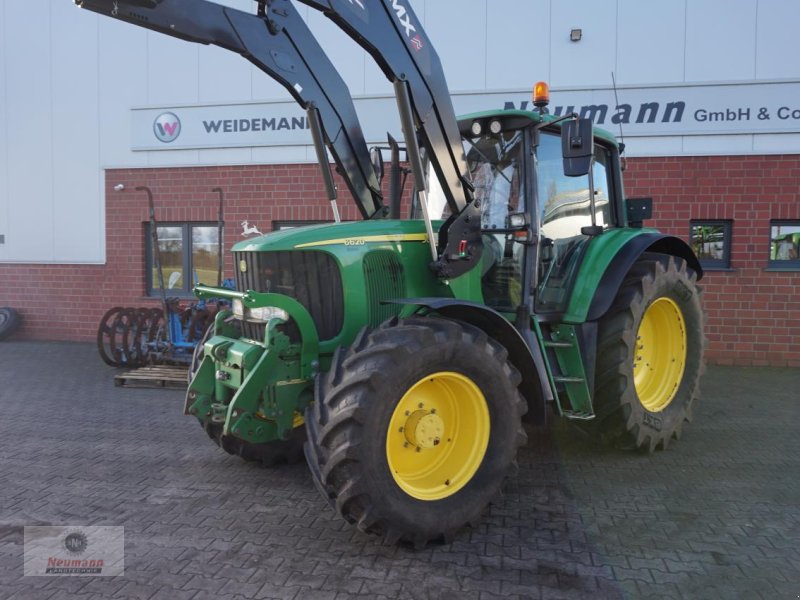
754, 316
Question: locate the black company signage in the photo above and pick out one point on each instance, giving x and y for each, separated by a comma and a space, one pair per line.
719, 109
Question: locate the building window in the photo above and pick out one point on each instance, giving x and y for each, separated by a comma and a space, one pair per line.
184, 248
711, 242
784, 245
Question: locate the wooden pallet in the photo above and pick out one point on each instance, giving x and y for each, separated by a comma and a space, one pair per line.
159, 376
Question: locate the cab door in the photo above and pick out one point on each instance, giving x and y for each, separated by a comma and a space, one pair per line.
564, 209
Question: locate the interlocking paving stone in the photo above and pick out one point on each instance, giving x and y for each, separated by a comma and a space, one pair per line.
715, 516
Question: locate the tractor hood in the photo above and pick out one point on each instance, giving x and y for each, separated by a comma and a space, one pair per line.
358, 233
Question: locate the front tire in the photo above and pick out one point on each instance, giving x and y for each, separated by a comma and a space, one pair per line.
650, 355
414, 428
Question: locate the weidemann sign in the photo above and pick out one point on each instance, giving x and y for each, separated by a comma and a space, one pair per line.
750, 108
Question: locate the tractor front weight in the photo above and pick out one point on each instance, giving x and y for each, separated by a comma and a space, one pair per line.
255, 390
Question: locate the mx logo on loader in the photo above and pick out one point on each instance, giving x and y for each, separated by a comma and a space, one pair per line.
167, 127
405, 21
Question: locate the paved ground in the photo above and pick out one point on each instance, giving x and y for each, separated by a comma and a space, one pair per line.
715, 516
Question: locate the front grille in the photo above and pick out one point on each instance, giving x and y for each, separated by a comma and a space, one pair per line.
383, 274
310, 277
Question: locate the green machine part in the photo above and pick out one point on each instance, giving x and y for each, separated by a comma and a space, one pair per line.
258, 390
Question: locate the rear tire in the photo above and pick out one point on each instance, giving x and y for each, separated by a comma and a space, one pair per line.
452, 393
649, 356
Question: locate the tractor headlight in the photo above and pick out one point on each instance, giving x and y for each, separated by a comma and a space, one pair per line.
265, 313
258, 315
238, 308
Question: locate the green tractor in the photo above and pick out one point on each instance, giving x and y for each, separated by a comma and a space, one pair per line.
401, 355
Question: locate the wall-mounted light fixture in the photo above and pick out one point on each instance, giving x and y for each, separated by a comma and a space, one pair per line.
575, 35
120, 187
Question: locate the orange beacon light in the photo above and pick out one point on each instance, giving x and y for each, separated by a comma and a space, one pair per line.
541, 94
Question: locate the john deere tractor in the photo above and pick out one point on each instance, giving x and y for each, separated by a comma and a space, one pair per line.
400, 353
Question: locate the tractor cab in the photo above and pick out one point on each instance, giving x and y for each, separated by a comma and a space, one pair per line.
536, 204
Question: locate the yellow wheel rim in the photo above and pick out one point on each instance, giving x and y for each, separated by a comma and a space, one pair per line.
437, 436
660, 356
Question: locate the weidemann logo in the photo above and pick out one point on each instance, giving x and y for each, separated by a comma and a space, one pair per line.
167, 127
255, 124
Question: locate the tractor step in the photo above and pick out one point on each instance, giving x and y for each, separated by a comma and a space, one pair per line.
562, 379
161, 376
567, 372
578, 416
552, 344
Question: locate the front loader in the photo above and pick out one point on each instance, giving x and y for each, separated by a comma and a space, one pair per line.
401, 354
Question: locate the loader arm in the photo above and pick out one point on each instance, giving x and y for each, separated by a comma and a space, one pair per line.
393, 35
282, 46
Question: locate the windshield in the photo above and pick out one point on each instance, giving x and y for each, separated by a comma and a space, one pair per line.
495, 167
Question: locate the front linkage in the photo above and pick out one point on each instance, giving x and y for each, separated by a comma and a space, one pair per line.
256, 391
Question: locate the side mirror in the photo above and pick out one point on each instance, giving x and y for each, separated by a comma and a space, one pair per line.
376, 157
577, 147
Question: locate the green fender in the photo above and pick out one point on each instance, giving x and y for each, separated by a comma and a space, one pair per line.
608, 259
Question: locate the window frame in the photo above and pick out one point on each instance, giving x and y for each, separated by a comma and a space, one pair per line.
186, 257
782, 265
715, 264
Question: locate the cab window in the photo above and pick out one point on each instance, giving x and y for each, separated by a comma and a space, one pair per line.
564, 209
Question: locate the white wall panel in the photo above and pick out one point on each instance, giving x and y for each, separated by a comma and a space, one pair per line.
223, 76
778, 42
29, 121
172, 67
122, 73
76, 182
458, 31
225, 156
518, 43
3, 139
788, 143
591, 60
650, 50
717, 144
172, 158
289, 154
720, 40
653, 146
